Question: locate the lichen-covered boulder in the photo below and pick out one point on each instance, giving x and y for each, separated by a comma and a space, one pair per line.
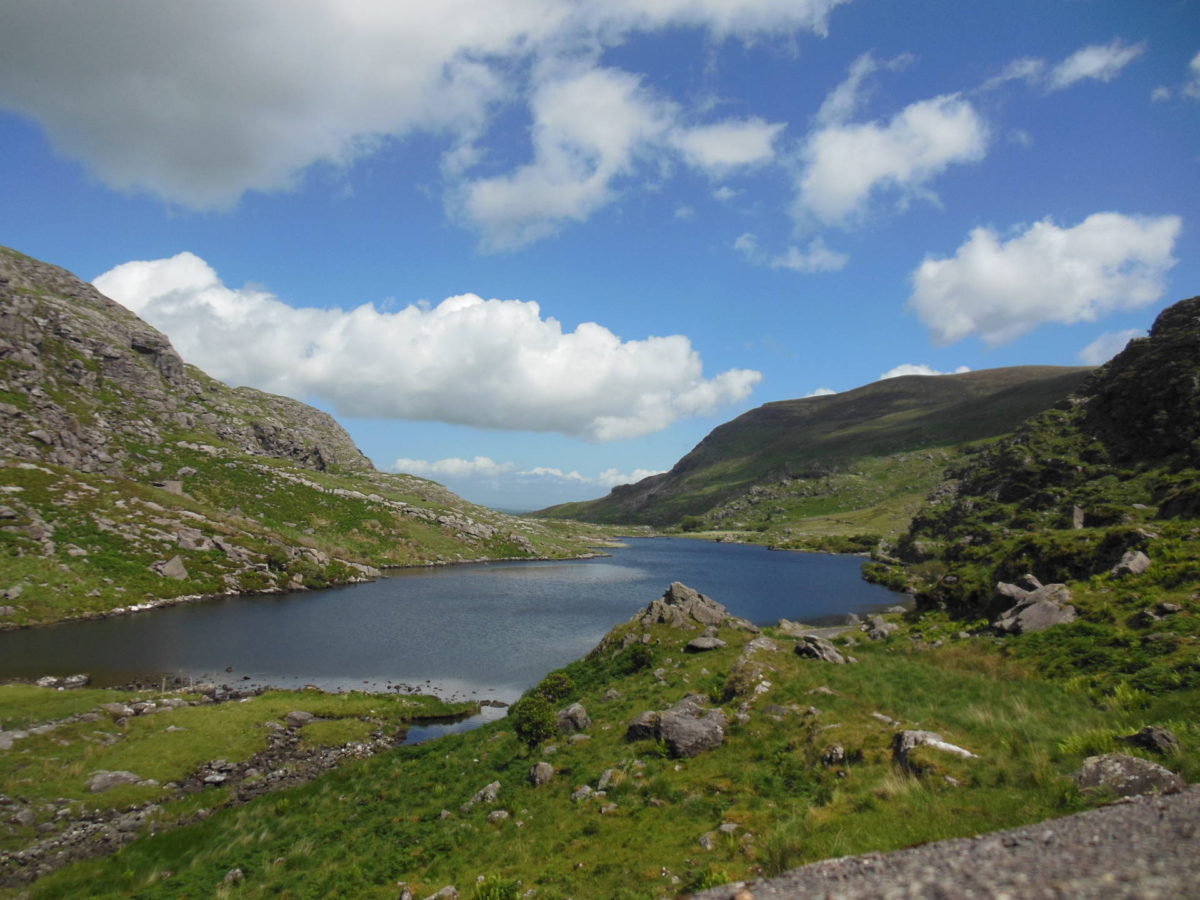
1126, 776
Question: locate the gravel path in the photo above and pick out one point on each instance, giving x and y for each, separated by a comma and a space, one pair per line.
1145, 848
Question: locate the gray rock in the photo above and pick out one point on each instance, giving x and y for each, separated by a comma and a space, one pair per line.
8, 611
1126, 776
497, 815
701, 644
48, 681
486, 794
608, 778
1156, 739
834, 755
1048, 605
233, 876
688, 729
1134, 562
644, 727
447, 893
573, 718
582, 793
73, 682
540, 773
682, 607
118, 710
298, 718
104, 780
813, 647
171, 568
878, 628
905, 742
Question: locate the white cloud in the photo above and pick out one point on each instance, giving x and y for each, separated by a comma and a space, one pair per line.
685, 212
487, 363
729, 145
817, 257
1191, 88
821, 392
200, 103
1102, 62
917, 369
611, 477
1000, 289
724, 193
591, 128
1108, 345
1026, 69
845, 100
483, 467
1160, 94
845, 164
453, 467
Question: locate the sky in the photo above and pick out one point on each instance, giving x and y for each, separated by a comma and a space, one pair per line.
535, 248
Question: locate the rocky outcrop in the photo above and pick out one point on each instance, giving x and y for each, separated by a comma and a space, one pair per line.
688, 728
1035, 610
811, 646
682, 607
92, 383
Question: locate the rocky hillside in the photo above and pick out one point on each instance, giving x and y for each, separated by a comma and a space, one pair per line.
788, 447
130, 477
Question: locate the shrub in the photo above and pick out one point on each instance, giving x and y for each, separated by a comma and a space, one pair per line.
555, 687
532, 719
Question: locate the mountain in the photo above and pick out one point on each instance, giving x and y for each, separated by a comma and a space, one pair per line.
1113, 469
129, 477
798, 443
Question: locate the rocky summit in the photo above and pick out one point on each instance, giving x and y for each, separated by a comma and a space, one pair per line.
129, 478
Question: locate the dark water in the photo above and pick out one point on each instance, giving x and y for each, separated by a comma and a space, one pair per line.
479, 631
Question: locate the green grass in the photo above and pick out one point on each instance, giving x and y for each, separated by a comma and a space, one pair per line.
358, 831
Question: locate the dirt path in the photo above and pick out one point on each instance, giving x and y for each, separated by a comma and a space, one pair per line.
1146, 848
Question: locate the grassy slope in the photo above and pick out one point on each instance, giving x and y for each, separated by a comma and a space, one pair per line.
360, 830
817, 436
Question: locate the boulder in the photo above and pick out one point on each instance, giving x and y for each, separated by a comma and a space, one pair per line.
117, 710
171, 568
1126, 776
877, 628
813, 647
573, 718
298, 718
905, 742
1048, 605
72, 682
688, 729
104, 780
701, 644
1155, 739
6, 611
1134, 562
644, 727
540, 773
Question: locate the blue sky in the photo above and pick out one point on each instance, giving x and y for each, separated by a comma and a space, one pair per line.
531, 249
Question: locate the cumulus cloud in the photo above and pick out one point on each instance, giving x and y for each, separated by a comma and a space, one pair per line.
1108, 345
724, 193
591, 128
817, 257
821, 392
200, 104
917, 369
845, 163
483, 467
488, 363
1191, 87
1000, 289
1102, 62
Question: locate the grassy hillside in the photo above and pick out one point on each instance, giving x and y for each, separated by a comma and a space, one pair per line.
773, 795
815, 437
128, 477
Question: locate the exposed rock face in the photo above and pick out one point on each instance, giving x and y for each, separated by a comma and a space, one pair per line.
94, 381
103, 780
682, 607
540, 773
701, 644
1126, 776
1037, 610
878, 628
687, 728
1134, 562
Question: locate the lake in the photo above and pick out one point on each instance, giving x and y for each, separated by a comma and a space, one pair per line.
480, 631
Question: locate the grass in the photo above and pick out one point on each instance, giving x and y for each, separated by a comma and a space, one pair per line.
360, 830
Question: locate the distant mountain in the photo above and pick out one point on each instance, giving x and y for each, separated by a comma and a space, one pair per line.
127, 476
814, 437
